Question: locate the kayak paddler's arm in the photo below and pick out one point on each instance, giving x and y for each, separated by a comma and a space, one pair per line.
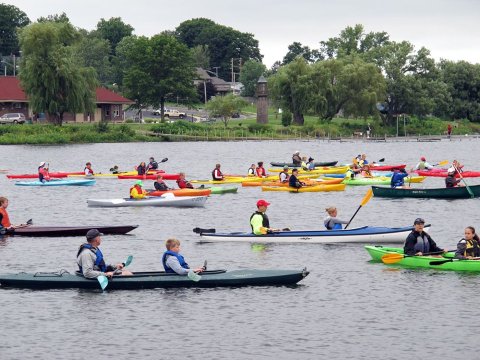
173, 263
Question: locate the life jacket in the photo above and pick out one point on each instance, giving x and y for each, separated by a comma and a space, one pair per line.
138, 189
422, 245
286, 177
184, 184
304, 165
141, 170
265, 221
5, 219
251, 171
179, 257
397, 179
261, 171
90, 171
294, 182
350, 174
336, 226
473, 248
421, 165
153, 165
297, 160
217, 174
99, 261
43, 174
160, 186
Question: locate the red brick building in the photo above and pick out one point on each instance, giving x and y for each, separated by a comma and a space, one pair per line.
109, 105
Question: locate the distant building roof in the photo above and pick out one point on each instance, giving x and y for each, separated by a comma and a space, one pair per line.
110, 97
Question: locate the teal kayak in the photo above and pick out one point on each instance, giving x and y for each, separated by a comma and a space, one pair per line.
396, 256
81, 182
223, 190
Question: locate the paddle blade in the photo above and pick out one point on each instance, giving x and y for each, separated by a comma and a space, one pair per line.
381, 160
440, 262
164, 160
192, 275
29, 222
443, 163
203, 231
128, 261
204, 267
392, 258
103, 281
367, 197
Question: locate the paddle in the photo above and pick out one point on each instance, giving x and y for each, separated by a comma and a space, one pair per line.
393, 258
103, 280
381, 160
442, 163
440, 262
461, 177
203, 231
365, 200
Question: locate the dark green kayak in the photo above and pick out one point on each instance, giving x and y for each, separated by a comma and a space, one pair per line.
436, 193
155, 279
223, 190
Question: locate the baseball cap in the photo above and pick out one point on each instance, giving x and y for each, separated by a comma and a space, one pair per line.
451, 170
285, 167
262, 202
423, 158
92, 234
139, 182
42, 163
418, 221
310, 159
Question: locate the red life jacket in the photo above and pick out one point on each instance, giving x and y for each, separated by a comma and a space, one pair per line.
5, 218
90, 171
261, 171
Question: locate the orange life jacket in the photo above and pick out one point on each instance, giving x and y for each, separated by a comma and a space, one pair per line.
5, 218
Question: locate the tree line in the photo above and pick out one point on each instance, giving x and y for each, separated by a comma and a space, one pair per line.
357, 73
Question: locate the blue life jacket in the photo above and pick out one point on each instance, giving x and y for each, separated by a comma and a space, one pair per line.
179, 257
337, 226
99, 261
422, 245
397, 179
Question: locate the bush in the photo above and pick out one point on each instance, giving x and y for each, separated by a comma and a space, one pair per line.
102, 127
261, 128
286, 118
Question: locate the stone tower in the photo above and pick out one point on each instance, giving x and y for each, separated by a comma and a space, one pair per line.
262, 102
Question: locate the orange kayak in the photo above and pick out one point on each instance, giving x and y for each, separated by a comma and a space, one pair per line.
306, 181
182, 192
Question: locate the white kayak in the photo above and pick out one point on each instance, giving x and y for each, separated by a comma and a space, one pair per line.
57, 182
171, 201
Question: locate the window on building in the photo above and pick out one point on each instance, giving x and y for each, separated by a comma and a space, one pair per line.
107, 111
17, 105
116, 111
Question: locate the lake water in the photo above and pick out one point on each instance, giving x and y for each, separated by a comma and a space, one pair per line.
347, 308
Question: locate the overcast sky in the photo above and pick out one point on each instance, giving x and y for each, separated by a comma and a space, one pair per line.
450, 29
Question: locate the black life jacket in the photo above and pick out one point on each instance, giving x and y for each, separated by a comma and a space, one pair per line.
265, 221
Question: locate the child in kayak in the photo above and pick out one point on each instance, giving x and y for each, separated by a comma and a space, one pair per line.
469, 246
173, 262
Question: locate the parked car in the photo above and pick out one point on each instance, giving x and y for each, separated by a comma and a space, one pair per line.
170, 113
12, 118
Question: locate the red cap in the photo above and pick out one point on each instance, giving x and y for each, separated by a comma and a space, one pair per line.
262, 202
423, 158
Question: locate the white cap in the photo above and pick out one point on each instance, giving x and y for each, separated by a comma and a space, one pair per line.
451, 170
297, 152
42, 163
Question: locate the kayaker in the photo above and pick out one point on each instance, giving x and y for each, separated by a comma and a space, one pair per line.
182, 183
296, 159
142, 168
423, 164
137, 192
310, 164
366, 171
450, 180
217, 174
418, 242
398, 178
284, 176
469, 246
259, 220
260, 170
304, 163
159, 184
251, 170
363, 160
331, 221
4, 218
91, 262
293, 180
457, 166
173, 262
88, 169
114, 170
152, 165
43, 174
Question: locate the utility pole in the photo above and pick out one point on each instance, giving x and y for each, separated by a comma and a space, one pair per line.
216, 70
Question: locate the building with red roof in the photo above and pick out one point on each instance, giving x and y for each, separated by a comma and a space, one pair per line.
109, 105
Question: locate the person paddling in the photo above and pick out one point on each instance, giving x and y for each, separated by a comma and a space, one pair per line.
296, 159
137, 191
251, 170
152, 165
450, 180
469, 246
284, 176
182, 183
90, 259
423, 164
173, 262
331, 221
5, 219
260, 170
43, 174
293, 181
217, 174
310, 164
259, 220
418, 242
398, 178
88, 169
160, 185
142, 168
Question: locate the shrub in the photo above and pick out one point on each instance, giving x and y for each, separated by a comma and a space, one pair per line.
286, 118
261, 128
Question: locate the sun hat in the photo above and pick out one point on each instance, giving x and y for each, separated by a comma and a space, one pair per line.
262, 202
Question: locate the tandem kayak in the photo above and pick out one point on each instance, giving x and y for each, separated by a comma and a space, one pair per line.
315, 188
85, 182
52, 231
155, 279
366, 234
459, 192
359, 181
182, 192
59, 174
168, 201
430, 262
316, 163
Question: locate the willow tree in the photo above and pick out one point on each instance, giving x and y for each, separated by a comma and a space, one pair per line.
51, 76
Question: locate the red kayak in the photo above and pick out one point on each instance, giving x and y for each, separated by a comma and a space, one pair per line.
52, 175
387, 167
444, 173
149, 177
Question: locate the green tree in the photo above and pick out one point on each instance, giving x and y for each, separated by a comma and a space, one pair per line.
113, 30
155, 69
201, 55
11, 19
203, 88
225, 107
58, 18
51, 76
297, 49
224, 44
249, 75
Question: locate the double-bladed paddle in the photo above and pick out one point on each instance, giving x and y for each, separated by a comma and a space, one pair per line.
440, 262
442, 163
103, 280
365, 200
393, 258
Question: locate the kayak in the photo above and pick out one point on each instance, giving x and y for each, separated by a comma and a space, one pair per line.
155, 279
430, 262
365, 234
164, 200
115, 176
386, 167
316, 163
241, 179
53, 231
223, 190
182, 192
308, 182
459, 192
465, 174
359, 181
85, 182
324, 170
52, 175
317, 188
165, 176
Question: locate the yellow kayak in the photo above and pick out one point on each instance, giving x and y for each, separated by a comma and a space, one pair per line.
319, 170
241, 179
318, 188
108, 175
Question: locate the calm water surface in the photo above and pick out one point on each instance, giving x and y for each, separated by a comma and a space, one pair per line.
347, 308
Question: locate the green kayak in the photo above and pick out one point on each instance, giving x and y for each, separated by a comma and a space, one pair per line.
395, 256
223, 190
359, 181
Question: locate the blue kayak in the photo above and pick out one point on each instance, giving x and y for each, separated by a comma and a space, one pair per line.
83, 182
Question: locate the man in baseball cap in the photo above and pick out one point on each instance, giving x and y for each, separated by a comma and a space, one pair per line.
90, 258
419, 243
423, 164
259, 220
